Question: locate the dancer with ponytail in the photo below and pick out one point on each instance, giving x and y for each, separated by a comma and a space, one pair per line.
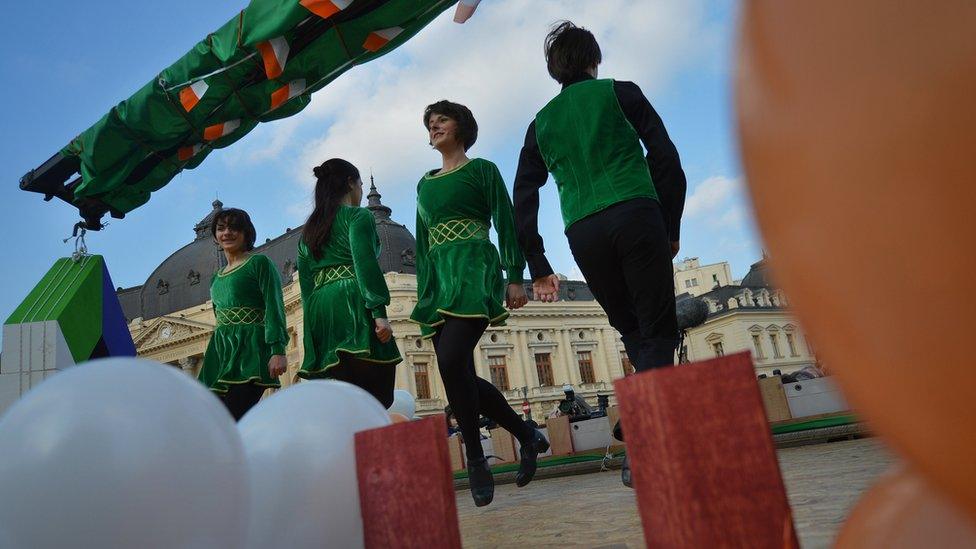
246, 353
460, 287
344, 296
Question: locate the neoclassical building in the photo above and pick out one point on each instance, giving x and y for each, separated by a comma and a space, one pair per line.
543, 346
750, 316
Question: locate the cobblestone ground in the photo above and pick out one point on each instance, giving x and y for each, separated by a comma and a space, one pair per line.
595, 510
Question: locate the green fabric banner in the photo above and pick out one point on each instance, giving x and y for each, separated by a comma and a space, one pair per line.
261, 65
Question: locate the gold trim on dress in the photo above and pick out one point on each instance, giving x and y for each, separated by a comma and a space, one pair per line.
235, 316
455, 230
239, 265
333, 273
448, 172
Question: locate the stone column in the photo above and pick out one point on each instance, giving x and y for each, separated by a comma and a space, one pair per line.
572, 366
189, 364
529, 375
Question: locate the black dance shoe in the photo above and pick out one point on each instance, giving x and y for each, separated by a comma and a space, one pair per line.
528, 454
481, 482
625, 473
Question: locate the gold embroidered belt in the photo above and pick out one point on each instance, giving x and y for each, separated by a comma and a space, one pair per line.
457, 229
232, 316
329, 275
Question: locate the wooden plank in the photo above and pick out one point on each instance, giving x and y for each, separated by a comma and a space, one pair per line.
503, 445
456, 451
774, 399
406, 490
703, 462
560, 439
613, 415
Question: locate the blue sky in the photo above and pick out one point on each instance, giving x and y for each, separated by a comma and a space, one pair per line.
67, 63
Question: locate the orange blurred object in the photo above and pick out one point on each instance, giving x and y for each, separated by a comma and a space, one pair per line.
398, 418
902, 511
857, 124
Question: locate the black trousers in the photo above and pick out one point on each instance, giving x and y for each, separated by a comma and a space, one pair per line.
625, 256
468, 394
240, 398
376, 379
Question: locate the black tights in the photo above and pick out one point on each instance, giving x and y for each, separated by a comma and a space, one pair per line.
376, 379
240, 398
468, 394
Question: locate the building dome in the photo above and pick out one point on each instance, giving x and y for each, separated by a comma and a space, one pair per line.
397, 245
182, 280
758, 275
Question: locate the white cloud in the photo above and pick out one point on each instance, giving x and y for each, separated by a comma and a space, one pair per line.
712, 196
493, 64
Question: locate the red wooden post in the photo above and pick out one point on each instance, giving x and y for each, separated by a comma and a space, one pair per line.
702, 457
406, 489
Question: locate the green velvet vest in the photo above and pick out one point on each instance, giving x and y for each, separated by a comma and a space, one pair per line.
592, 150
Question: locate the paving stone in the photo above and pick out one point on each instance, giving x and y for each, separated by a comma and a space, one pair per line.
823, 481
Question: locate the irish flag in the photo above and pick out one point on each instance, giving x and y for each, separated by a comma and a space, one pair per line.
274, 52
220, 130
192, 94
465, 9
377, 39
186, 153
325, 8
286, 92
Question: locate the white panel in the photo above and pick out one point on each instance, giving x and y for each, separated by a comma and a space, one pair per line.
590, 434
813, 397
35, 345
9, 388
62, 355
36, 377
10, 361
41, 346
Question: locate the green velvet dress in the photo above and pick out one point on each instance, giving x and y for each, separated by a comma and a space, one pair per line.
342, 292
459, 271
250, 328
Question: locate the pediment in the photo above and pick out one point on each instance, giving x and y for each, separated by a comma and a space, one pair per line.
714, 336
165, 330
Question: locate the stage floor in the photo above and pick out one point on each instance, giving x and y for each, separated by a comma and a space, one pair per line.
596, 510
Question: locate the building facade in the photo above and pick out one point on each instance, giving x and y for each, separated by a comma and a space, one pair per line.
543, 347
751, 316
691, 277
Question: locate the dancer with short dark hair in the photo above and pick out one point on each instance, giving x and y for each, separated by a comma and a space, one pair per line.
344, 295
460, 284
621, 208
246, 353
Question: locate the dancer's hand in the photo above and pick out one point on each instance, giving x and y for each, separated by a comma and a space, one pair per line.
546, 288
515, 296
383, 330
675, 246
277, 365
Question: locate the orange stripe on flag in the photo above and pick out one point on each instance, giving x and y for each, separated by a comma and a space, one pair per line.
380, 38
186, 153
220, 130
274, 52
191, 95
286, 92
279, 96
325, 8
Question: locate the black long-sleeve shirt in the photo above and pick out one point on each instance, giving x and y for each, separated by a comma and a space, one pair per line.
662, 160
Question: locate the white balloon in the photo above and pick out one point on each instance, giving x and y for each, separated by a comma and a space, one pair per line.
403, 404
301, 455
121, 452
